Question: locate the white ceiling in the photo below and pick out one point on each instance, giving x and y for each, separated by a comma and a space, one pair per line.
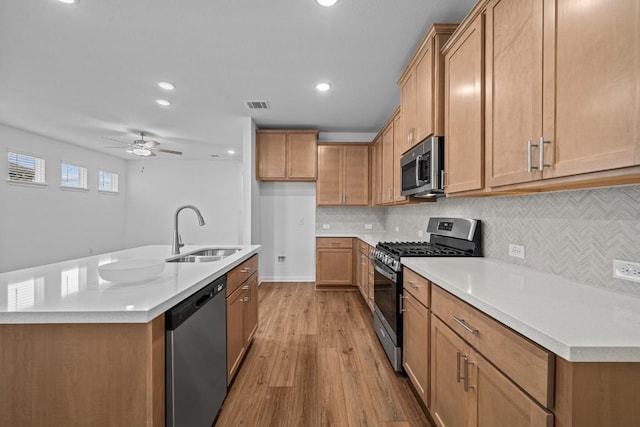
89, 70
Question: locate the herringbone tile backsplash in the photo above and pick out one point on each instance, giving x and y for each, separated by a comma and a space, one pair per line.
575, 234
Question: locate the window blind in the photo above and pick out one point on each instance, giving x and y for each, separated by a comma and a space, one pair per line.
25, 168
73, 176
108, 181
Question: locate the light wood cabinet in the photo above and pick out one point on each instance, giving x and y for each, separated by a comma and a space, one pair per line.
286, 155
343, 175
365, 272
376, 171
397, 154
334, 262
415, 345
422, 84
242, 312
388, 158
464, 109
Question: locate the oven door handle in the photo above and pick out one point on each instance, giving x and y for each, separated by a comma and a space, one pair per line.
391, 276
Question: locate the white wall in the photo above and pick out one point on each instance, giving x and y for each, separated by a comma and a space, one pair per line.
153, 195
288, 228
40, 225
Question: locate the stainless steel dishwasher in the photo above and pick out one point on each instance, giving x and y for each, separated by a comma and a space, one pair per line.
196, 357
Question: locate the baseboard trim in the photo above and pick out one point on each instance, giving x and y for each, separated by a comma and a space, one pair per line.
288, 279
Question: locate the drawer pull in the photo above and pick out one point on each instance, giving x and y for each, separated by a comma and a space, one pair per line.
335, 243
413, 285
464, 325
245, 270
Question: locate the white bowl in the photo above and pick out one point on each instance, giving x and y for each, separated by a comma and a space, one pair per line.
131, 270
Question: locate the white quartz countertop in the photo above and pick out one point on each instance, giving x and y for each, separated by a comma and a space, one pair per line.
578, 322
72, 291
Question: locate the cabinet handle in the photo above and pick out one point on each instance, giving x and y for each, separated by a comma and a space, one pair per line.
462, 323
541, 161
245, 270
530, 146
402, 310
413, 285
466, 374
335, 243
458, 377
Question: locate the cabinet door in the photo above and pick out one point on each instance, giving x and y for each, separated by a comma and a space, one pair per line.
514, 89
330, 182
451, 405
251, 309
415, 345
397, 171
356, 175
464, 111
272, 154
424, 92
302, 156
235, 331
592, 62
334, 266
388, 156
408, 110
502, 403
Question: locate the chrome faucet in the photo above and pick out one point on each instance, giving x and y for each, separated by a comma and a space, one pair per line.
177, 240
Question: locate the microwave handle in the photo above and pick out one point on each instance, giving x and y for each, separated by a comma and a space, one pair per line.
418, 159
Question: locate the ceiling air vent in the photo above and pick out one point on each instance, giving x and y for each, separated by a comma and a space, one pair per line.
257, 105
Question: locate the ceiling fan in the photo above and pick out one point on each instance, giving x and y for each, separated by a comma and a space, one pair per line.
142, 147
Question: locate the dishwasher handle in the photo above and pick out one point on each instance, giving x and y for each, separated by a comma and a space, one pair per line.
180, 312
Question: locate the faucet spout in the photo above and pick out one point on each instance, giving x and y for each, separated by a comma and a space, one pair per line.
177, 241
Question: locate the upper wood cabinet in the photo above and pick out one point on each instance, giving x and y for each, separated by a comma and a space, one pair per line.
286, 155
464, 109
343, 175
388, 157
422, 85
376, 171
397, 154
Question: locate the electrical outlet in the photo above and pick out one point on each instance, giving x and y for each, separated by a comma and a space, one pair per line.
516, 251
368, 226
420, 233
626, 270
282, 259
397, 228
326, 226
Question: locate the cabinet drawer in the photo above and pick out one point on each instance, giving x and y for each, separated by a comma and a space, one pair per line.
334, 242
241, 273
527, 364
363, 247
417, 286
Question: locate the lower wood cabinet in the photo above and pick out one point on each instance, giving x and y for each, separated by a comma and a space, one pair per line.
334, 261
364, 279
415, 345
242, 314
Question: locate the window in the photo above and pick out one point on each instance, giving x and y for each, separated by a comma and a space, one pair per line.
73, 176
107, 181
25, 168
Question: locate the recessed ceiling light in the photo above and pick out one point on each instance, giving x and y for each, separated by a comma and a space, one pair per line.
163, 102
327, 3
323, 87
167, 85
67, 1
231, 152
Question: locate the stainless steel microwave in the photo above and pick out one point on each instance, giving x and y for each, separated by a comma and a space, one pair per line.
422, 169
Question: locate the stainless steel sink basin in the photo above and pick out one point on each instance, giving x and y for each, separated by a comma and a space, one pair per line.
206, 255
194, 258
224, 252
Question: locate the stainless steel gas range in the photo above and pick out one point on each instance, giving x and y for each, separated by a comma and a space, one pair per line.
448, 237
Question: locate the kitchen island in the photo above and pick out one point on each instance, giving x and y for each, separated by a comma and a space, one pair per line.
78, 350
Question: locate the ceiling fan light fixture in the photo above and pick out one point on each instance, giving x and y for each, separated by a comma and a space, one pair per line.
167, 85
140, 151
68, 1
326, 3
163, 102
323, 87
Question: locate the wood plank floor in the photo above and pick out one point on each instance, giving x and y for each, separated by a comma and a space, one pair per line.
316, 361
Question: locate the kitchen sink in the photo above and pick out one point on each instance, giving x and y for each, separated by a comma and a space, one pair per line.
206, 255
223, 252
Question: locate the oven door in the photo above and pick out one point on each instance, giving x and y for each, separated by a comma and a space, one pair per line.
386, 300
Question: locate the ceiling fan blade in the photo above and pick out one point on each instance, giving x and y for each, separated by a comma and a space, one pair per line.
151, 144
120, 147
152, 154
169, 151
115, 140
